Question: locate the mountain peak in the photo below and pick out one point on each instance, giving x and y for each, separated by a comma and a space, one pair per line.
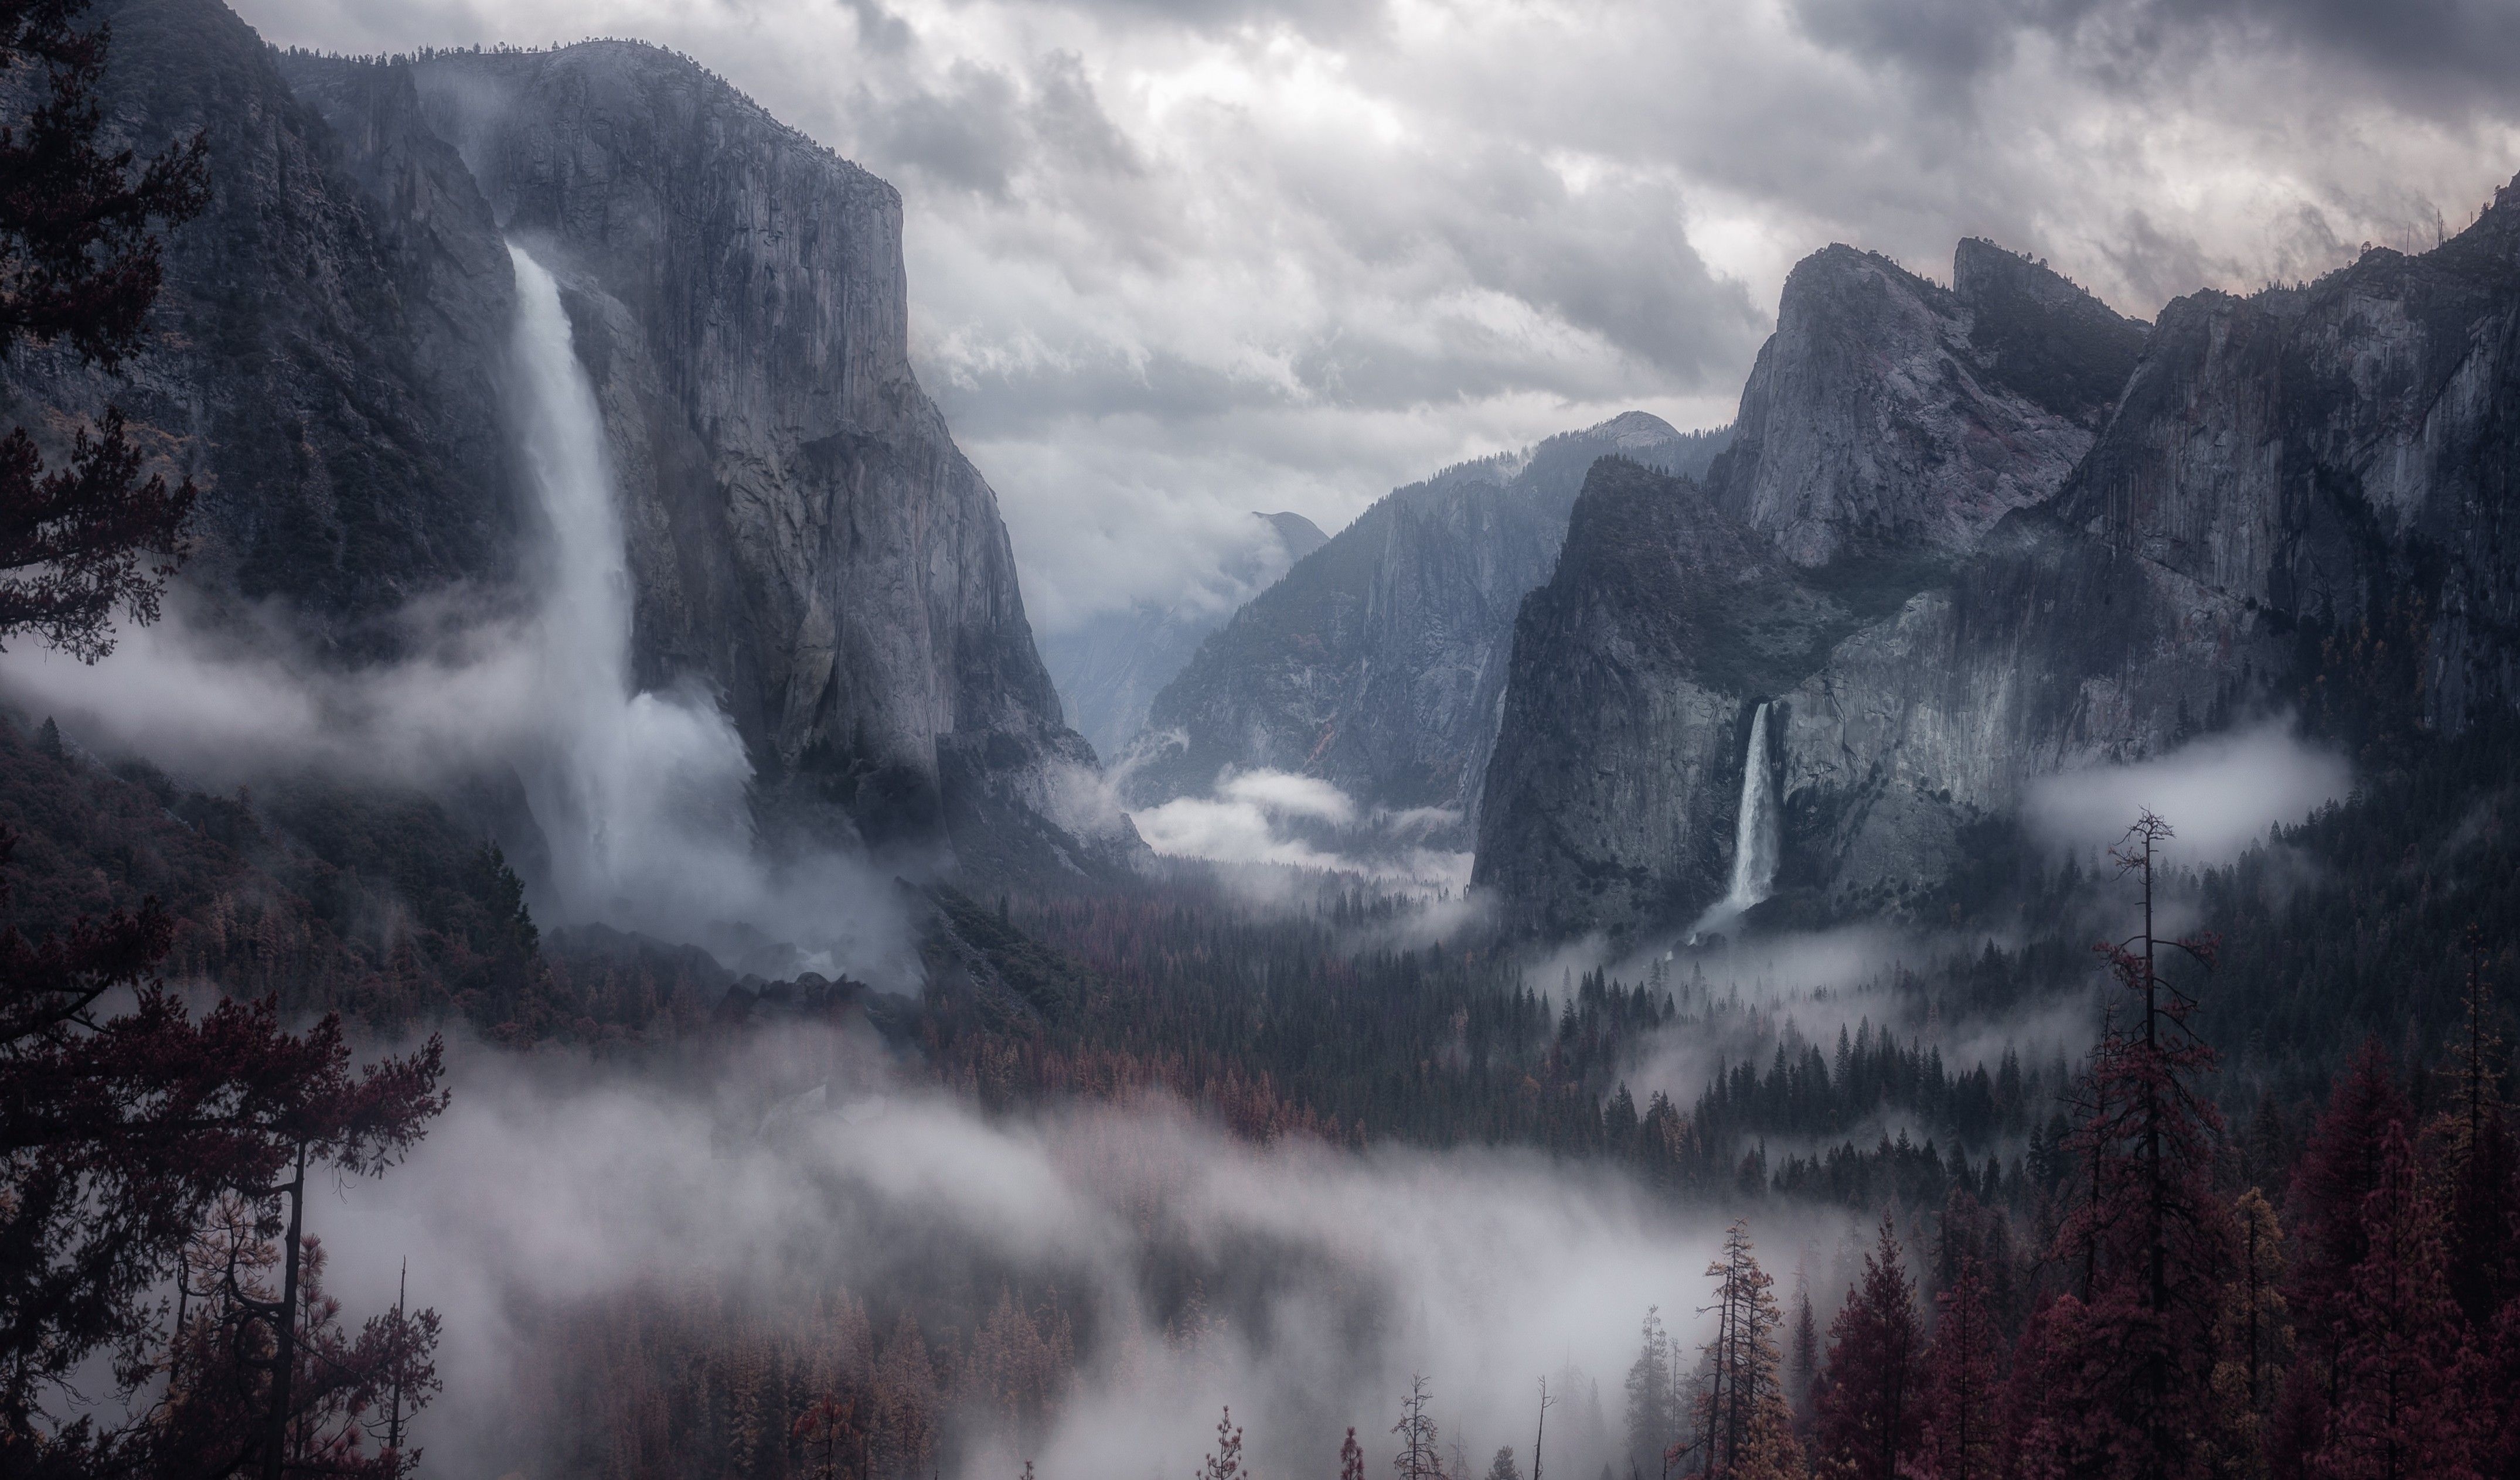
1631, 427
1300, 535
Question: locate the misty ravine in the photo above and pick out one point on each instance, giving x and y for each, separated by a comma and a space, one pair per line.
1883, 874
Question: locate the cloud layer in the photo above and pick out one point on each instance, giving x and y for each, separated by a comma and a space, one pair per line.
2220, 793
554, 1182
1173, 262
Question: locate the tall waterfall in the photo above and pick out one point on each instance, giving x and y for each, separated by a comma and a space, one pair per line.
1755, 839
641, 796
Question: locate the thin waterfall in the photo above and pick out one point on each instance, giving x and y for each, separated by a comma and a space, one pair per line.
1755, 839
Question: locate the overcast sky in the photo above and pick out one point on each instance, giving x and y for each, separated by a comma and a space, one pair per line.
1169, 262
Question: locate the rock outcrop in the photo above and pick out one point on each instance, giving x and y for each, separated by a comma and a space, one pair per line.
2305, 496
805, 541
1889, 414
325, 355
1929, 635
1378, 662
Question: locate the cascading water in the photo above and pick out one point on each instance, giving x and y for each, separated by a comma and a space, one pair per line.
641, 796
1755, 841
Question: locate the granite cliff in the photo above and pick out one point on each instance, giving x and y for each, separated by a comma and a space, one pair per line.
805, 542
2068, 552
1378, 662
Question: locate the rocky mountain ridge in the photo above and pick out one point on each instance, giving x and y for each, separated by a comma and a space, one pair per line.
2274, 477
2302, 493
1378, 661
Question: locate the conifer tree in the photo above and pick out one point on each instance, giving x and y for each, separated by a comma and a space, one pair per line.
1869, 1416
1960, 1437
2341, 1165
1227, 1463
1744, 1428
2118, 1382
1420, 1455
2479, 1160
2255, 1340
2401, 1408
1654, 1415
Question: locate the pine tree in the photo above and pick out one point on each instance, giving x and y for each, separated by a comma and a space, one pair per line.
2401, 1410
2121, 1382
1351, 1457
2255, 1339
1868, 1417
1802, 1361
1420, 1455
1960, 1437
1502, 1467
1654, 1415
2340, 1167
2479, 1159
1744, 1428
1227, 1463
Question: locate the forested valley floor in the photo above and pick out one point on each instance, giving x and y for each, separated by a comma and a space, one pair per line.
2310, 1154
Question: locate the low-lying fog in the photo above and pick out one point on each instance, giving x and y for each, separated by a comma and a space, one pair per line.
799, 1163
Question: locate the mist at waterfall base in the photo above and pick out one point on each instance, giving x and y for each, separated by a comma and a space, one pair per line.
640, 798
561, 1204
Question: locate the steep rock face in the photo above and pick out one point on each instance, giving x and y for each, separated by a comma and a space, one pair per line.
1886, 413
804, 535
334, 363
2305, 491
2341, 455
1378, 661
1636, 672
1928, 637
1110, 670
328, 351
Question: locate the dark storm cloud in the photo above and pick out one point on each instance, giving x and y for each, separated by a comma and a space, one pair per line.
2429, 55
1172, 260
966, 133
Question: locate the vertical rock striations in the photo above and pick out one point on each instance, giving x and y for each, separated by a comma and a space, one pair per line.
327, 349
806, 544
1889, 414
2306, 493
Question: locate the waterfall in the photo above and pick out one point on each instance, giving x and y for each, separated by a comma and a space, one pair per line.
1755, 841
641, 796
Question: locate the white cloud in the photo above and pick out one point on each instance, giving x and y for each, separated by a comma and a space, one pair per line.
557, 1184
2220, 793
1172, 262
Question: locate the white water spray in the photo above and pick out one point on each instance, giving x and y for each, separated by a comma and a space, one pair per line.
641, 795
1755, 841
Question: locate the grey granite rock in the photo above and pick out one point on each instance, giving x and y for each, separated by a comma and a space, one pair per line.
2301, 497
1378, 661
1888, 413
805, 540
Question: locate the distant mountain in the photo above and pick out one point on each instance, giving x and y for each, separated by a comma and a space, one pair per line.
1969, 538
1378, 661
1110, 669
